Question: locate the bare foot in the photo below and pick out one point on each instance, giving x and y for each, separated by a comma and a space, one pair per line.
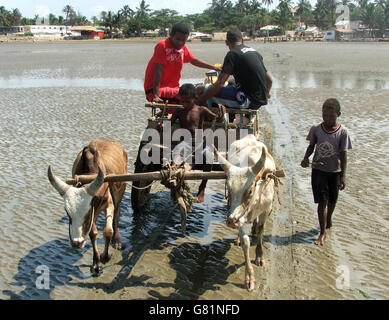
200, 197
320, 240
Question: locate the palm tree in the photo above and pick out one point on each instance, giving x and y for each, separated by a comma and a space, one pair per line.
111, 20
141, 13
69, 11
320, 14
143, 10
127, 12
267, 3
284, 16
254, 7
4, 16
304, 9
369, 16
16, 17
243, 6
331, 6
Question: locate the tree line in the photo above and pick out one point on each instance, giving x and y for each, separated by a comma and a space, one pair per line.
248, 15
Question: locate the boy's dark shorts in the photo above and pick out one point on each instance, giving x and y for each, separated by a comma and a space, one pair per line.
325, 186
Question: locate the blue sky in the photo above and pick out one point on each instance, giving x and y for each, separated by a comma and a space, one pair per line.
90, 8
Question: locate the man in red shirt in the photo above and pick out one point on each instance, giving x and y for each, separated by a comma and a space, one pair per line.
163, 72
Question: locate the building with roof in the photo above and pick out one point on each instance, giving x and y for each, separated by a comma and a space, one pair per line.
88, 32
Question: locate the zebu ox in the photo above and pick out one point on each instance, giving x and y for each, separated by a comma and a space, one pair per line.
251, 193
84, 203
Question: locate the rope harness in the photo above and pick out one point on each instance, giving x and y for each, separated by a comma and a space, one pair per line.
264, 176
174, 178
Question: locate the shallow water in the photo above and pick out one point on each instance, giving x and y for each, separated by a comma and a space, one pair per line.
57, 97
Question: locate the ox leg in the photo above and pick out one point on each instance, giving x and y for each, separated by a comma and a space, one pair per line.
250, 283
108, 231
259, 259
117, 198
96, 268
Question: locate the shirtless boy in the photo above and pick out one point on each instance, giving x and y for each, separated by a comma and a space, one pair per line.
192, 117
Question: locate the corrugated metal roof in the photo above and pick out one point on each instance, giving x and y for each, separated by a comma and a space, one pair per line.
84, 28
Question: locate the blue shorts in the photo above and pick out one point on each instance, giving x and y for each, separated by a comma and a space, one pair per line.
231, 97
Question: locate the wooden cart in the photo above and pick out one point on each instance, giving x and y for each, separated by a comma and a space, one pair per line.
246, 121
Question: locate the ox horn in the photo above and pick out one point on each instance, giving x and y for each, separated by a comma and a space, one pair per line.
225, 164
261, 162
57, 183
95, 185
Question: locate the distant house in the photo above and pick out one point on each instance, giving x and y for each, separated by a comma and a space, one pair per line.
89, 32
222, 36
197, 35
13, 29
46, 31
329, 35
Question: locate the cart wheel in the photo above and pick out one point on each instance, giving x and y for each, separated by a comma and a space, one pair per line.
139, 197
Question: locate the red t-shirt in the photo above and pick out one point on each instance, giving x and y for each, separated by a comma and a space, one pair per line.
172, 61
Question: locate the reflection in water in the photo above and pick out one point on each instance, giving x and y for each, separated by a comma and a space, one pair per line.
328, 80
97, 83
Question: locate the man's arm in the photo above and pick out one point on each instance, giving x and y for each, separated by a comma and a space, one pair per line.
214, 89
208, 114
158, 68
202, 64
343, 167
269, 83
308, 153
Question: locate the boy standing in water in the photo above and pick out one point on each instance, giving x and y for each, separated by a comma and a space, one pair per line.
329, 163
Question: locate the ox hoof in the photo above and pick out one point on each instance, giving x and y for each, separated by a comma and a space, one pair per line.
118, 245
260, 262
105, 258
250, 285
96, 270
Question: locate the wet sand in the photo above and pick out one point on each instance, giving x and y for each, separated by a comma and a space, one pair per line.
56, 97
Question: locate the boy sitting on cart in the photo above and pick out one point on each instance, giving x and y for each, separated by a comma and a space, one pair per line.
191, 117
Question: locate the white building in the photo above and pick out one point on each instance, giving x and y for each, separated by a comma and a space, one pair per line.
48, 31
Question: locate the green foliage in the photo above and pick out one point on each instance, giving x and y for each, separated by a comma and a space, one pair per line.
248, 15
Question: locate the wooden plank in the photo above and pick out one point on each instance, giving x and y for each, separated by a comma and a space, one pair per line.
146, 176
178, 106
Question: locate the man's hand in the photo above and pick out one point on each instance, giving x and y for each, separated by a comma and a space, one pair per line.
157, 99
305, 163
342, 183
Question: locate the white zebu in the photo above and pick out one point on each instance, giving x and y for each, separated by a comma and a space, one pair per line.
250, 172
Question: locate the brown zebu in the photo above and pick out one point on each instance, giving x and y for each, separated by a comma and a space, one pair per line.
84, 203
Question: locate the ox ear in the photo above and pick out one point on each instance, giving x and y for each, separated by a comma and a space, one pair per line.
261, 162
57, 183
95, 185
